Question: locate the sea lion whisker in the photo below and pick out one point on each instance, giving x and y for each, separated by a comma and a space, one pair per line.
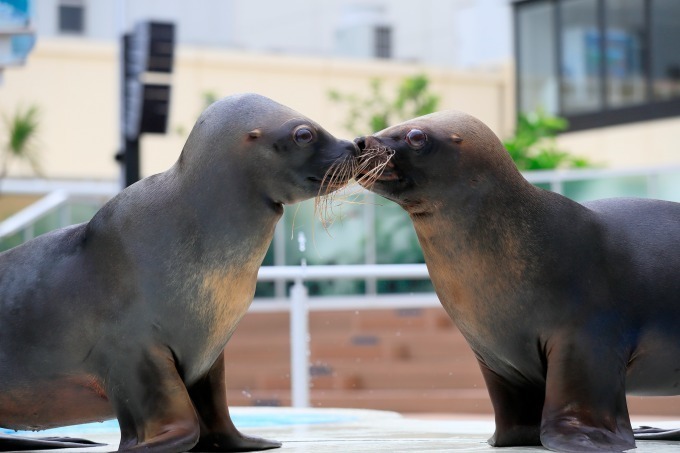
369, 178
328, 192
292, 226
361, 171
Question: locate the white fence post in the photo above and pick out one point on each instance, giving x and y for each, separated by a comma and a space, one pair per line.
299, 345
299, 333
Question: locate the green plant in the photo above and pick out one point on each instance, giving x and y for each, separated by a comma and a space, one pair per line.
375, 112
21, 144
533, 146
209, 97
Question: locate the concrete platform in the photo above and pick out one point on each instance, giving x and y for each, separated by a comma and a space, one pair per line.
356, 430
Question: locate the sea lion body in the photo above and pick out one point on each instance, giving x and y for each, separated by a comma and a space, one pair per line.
127, 315
567, 306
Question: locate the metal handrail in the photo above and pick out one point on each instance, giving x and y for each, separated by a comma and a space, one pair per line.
343, 271
27, 217
579, 174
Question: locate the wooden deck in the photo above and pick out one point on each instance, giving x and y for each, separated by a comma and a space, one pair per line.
411, 360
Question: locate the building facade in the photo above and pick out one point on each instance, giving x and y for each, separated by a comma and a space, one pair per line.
610, 67
449, 33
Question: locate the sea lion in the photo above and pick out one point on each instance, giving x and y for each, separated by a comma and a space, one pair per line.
127, 315
567, 306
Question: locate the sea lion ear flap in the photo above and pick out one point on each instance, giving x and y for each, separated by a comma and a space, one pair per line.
254, 134
456, 138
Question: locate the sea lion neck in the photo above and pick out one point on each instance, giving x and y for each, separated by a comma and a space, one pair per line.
195, 219
222, 215
479, 214
470, 236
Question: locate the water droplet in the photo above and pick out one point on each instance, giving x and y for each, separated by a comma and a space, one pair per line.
302, 241
246, 394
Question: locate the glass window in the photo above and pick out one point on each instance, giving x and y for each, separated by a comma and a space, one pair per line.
340, 243
397, 243
581, 88
71, 18
624, 49
665, 35
383, 41
536, 59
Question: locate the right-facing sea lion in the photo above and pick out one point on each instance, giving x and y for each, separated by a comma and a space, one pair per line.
127, 315
567, 306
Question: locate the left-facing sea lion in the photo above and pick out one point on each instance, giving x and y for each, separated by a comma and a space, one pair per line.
566, 306
127, 315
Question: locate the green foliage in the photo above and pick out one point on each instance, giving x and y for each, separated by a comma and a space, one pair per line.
21, 141
208, 98
366, 114
533, 146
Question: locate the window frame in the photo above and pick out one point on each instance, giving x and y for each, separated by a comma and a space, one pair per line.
72, 4
649, 109
382, 46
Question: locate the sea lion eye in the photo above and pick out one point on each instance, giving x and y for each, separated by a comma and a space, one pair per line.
416, 138
303, 136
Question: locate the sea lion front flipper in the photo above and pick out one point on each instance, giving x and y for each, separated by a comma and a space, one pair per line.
651, 433
19, 443
585, 401
218, 432
153, 407
517, 411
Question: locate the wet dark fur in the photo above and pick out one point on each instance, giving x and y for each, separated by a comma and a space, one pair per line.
567, 306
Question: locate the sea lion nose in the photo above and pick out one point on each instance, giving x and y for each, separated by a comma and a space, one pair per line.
360, 142
353, 149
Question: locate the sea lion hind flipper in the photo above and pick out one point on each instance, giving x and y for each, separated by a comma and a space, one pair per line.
19, 443
218, 432
651, 433
517, 411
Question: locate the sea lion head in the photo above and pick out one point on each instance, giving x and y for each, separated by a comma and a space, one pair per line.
287, 156
432, 159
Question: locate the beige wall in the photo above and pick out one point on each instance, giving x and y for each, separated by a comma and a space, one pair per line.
75, 84
643, 144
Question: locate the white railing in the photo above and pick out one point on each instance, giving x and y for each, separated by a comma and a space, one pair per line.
60, 196
25, 219
557, 178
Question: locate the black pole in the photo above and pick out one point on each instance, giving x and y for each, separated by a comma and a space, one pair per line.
144, 107
129, 154
131, 161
